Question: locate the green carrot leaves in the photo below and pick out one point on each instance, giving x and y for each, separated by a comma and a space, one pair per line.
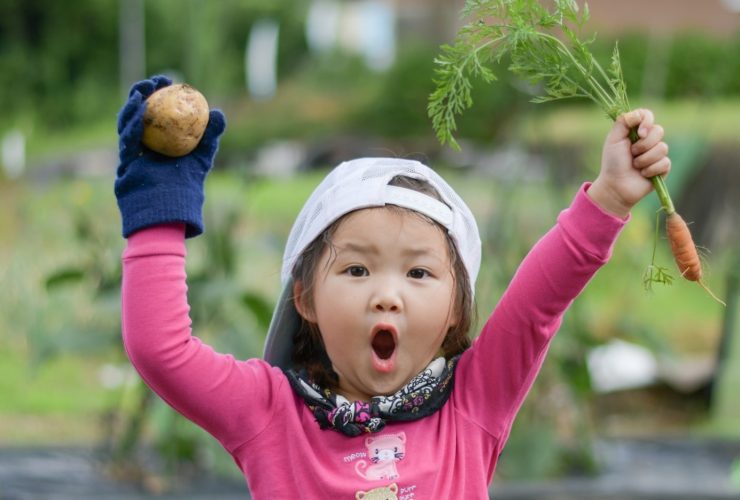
544, 47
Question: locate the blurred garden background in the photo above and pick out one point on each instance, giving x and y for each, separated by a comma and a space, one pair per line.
305, 85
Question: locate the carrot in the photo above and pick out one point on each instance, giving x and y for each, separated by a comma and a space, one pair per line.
683, 248
682, 244
684, 251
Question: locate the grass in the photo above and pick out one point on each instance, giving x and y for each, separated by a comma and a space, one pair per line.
60, 401
714, 121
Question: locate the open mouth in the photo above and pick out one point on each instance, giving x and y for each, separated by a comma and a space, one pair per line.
384, 343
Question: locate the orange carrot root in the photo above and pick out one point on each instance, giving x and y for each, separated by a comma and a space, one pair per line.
683, 248
685, 252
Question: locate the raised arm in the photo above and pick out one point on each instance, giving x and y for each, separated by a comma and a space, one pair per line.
499, 370
160, 199
227, 397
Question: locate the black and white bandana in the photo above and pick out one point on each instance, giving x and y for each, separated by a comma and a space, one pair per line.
423, 395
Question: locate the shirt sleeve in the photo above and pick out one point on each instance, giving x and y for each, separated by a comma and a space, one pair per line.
496, 373
231, 399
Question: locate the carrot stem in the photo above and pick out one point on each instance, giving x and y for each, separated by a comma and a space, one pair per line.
662, 191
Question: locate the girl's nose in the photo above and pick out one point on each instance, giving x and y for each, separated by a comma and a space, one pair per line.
387, 306
386, 299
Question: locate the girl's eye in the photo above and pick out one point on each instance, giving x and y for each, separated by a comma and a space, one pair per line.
356, 271
418, 273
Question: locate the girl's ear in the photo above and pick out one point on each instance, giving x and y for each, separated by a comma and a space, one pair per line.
455, 316
303, 309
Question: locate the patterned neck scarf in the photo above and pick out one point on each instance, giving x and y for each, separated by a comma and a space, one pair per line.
420, 397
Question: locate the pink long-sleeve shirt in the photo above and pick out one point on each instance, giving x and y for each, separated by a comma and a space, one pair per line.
251, 409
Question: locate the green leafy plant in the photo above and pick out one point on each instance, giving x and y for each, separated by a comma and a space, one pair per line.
527, 32
223, 310
546, 48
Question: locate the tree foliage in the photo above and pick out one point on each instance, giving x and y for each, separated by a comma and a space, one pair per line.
56, 56
59, 61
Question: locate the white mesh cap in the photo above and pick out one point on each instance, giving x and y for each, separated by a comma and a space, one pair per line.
357, 184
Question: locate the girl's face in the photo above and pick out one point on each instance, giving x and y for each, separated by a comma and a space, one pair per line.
383, 299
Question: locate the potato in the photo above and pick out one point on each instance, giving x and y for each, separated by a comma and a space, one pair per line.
174, 120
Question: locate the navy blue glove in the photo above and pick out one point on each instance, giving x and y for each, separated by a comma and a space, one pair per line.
152, 188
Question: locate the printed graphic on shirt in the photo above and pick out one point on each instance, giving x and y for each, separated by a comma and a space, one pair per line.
383, 493
383, 451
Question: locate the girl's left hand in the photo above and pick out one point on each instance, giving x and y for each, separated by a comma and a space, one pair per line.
626, 168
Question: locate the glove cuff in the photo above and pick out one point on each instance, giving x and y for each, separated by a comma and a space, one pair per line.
140, 209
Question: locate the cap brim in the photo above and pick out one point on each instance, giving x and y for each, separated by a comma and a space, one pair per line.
285, 322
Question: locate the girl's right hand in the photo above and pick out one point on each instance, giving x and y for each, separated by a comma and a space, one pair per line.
155, 189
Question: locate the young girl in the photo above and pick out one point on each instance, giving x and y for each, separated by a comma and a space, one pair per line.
370, 386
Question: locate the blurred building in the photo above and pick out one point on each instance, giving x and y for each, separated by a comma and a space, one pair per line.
716, 17
366, 28
373, 28
719, 17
